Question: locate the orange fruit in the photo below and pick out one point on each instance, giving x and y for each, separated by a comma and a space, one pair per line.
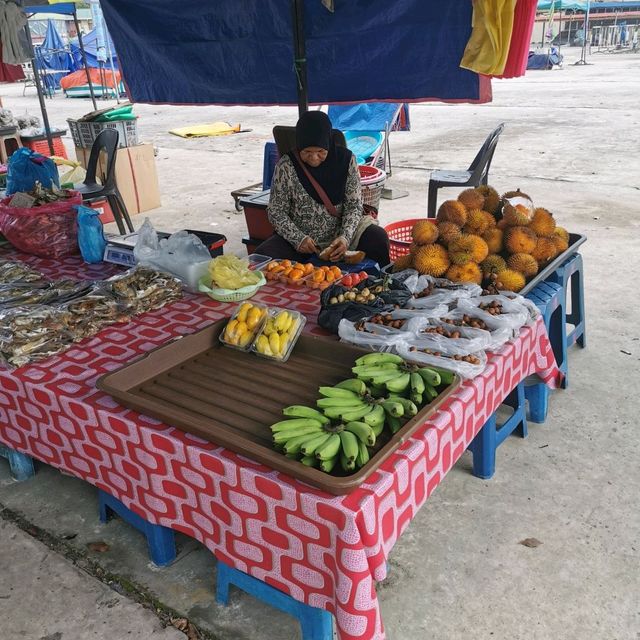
308, 268
318, 275
296, 274
287, 271
329, 277
277, 269
286, 263
272, 265
336, 272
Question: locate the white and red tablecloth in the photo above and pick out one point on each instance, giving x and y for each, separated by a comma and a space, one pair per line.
324, 550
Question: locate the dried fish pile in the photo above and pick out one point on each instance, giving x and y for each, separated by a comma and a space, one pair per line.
39, 319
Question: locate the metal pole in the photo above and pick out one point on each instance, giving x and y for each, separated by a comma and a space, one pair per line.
583, 56
300, 55
36, 78
84, 59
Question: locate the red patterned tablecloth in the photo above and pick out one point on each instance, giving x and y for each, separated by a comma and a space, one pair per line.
324, 550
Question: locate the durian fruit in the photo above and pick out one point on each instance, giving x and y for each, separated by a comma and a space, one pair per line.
510, 280
448, 231
468, 247
560, 242
478, 221
544, 250
431, 260
519, 240
491, 199
452, 211
493, 237
563, 233
424, 232
493, 264
542, 223
469, 272
515, 194
471, 199
402, 263
524, 263
515, 216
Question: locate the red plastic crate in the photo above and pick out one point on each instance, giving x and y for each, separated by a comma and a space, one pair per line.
400, 238
42, 146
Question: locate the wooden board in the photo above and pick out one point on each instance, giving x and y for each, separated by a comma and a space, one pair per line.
231, 398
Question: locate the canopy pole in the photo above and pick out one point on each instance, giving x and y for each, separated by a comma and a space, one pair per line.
583, 56
84, 58
36, 78
300, 55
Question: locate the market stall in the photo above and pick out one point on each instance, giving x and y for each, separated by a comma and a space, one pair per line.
327, 551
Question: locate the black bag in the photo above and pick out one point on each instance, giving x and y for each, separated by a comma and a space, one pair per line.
395, 295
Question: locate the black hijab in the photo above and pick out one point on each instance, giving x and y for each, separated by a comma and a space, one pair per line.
314, 130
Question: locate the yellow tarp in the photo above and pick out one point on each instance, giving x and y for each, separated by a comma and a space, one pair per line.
488, 47
206, 130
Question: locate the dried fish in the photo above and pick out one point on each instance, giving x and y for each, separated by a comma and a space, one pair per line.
11, 272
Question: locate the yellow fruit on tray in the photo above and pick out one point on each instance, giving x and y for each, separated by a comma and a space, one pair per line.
243, 311
245, 339
269, 327
230, 330
284, 343
274, 343
253, 317
282, 321
262, 346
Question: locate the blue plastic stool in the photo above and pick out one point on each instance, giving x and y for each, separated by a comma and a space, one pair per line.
549, 298
20, 464
570, 277
491, 436
316, 624
160, 540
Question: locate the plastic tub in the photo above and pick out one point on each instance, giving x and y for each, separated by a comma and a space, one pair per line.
255, 330
258, 262
293, 331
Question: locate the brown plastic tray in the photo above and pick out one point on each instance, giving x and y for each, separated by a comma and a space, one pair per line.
231, 398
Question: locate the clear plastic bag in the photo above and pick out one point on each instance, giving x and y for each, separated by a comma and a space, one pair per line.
428, 312
499, 332
463, 369
375, 337
470, 340
514, 314
49, 230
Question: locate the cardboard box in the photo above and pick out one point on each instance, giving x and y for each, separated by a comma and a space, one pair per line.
135, 174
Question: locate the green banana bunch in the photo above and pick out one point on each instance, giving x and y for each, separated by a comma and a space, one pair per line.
354, 384
300, 411
379, 358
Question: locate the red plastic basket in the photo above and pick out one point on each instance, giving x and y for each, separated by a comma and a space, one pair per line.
400, 237
42, 147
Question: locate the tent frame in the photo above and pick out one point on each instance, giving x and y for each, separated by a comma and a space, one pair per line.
63, 9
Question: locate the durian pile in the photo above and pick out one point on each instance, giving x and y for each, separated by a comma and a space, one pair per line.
483, 237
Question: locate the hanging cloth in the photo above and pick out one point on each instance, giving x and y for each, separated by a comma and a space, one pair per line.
12, 23
488, 47
523, 21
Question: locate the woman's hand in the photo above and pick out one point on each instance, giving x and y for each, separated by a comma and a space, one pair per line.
308, 246
337, 249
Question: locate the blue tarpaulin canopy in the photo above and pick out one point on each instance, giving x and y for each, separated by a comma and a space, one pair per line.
561, 5
90, 42
62, 8
241, 51
53, 56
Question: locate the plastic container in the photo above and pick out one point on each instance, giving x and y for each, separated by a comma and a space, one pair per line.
258, 262
264, 310
191, 274
85, 132
229, 295
308, 281
294, 331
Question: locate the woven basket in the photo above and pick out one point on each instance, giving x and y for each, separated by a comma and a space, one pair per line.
372, 182
229, 295
400, 237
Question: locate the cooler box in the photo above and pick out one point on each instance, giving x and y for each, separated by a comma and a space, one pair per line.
255, 214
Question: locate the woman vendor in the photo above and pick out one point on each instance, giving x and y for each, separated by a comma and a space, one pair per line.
316, 202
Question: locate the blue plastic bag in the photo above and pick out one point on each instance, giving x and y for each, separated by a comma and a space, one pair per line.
90, 234
26, 167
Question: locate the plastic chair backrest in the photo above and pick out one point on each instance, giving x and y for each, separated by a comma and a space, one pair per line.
481, 163
285, 137
270, 159
106, 140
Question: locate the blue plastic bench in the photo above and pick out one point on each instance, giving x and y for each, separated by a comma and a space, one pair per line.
571, 278
316, 624
20, 464
160, 540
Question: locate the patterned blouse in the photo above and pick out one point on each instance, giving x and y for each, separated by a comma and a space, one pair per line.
295, 214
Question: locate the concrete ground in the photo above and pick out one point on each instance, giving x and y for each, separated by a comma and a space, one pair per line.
571, 141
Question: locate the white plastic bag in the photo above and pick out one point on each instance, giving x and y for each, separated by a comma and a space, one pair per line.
515, 315
429, 312
499, 332
376, 337
464, 369
470, 340
442, 292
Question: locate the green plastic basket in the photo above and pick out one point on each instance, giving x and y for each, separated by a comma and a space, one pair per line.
229, 295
